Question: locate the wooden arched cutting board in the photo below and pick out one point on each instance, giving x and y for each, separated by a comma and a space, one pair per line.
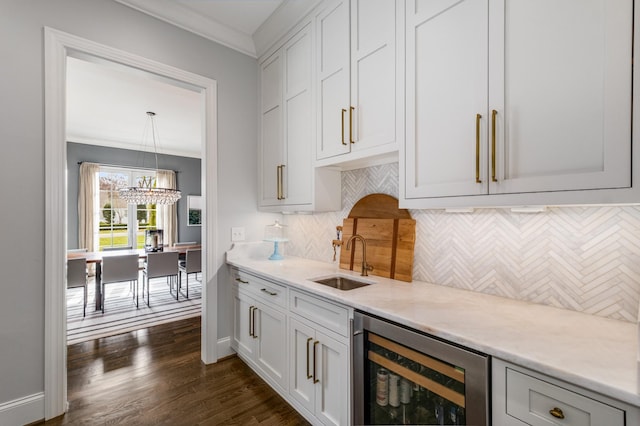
390, 234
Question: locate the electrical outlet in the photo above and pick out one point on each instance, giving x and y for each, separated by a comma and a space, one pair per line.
237, 233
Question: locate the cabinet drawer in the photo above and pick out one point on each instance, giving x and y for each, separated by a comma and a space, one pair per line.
534, 402
268, 291
327, 314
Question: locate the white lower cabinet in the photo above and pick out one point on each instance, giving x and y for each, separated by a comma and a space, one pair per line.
319, 373
524, 397
260, 334
297, 342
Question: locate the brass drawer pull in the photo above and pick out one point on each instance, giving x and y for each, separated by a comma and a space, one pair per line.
270, 293
253, 321
240, 280
557, 413
308, 373
315, 376
251, 308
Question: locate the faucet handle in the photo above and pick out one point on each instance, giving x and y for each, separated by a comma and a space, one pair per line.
366, 267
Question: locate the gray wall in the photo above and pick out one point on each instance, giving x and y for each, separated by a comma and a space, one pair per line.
22, 222
187, 177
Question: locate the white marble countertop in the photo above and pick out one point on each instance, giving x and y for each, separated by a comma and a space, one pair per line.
596, 353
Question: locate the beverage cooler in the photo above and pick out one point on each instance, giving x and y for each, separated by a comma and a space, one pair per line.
402, 376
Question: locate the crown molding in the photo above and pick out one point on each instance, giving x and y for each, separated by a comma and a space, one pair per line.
128, 145
281, 21
189, 20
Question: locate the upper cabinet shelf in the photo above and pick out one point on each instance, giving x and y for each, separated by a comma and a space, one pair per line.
484, 103
288, 180
518, 102
359, 80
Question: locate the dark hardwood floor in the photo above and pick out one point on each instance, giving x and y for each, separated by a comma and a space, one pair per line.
154, 376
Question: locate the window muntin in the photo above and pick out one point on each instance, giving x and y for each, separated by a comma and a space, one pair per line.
121, 224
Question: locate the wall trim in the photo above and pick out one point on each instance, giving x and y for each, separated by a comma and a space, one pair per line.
57, 46
182, 17
224, 347
21, 411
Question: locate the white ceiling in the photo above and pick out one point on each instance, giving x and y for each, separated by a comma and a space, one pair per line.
107, 103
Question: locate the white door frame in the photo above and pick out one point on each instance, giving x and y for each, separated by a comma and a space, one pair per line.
57, 46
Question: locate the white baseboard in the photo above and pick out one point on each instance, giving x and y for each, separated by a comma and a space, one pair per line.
22, 411
224, 347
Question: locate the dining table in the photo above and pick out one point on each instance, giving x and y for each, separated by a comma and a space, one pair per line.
95, 257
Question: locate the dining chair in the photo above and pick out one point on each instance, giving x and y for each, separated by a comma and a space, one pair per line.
77, 277
179, 244
185, 243
161, 264
191, 265
117, 269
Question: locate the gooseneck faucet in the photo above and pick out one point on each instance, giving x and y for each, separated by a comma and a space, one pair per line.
365, 266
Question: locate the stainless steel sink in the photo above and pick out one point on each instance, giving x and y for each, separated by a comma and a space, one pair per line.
341, 282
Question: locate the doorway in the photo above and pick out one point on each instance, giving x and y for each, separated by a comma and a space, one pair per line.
58, 47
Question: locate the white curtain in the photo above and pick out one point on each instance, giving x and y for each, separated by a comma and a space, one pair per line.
167, 215
87, 211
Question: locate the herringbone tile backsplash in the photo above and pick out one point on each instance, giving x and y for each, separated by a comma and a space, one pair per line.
582, 258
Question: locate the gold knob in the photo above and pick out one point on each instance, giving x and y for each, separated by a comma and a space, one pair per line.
557, 413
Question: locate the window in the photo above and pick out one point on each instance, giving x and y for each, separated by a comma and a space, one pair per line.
116, 224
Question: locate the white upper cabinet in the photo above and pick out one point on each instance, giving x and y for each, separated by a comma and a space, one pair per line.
446, 91
272, 153
332, 27
359, 79
288, 180
530, 98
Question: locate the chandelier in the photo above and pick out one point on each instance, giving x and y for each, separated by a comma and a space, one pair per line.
147, 191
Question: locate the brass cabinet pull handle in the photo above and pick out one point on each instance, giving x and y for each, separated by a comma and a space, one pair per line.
351, 125
342, 117
278, 189
251, 308
478, 117
280, 180
240, 280
557, 413
308, 374
315, 377
253, 321
270, 293
493, 145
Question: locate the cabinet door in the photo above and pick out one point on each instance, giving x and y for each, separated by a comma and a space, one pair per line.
332, 390
242, 328
271, 151
301, 386
446, 145
270, 327
560, 81
298, 119
373, 73
332, 27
